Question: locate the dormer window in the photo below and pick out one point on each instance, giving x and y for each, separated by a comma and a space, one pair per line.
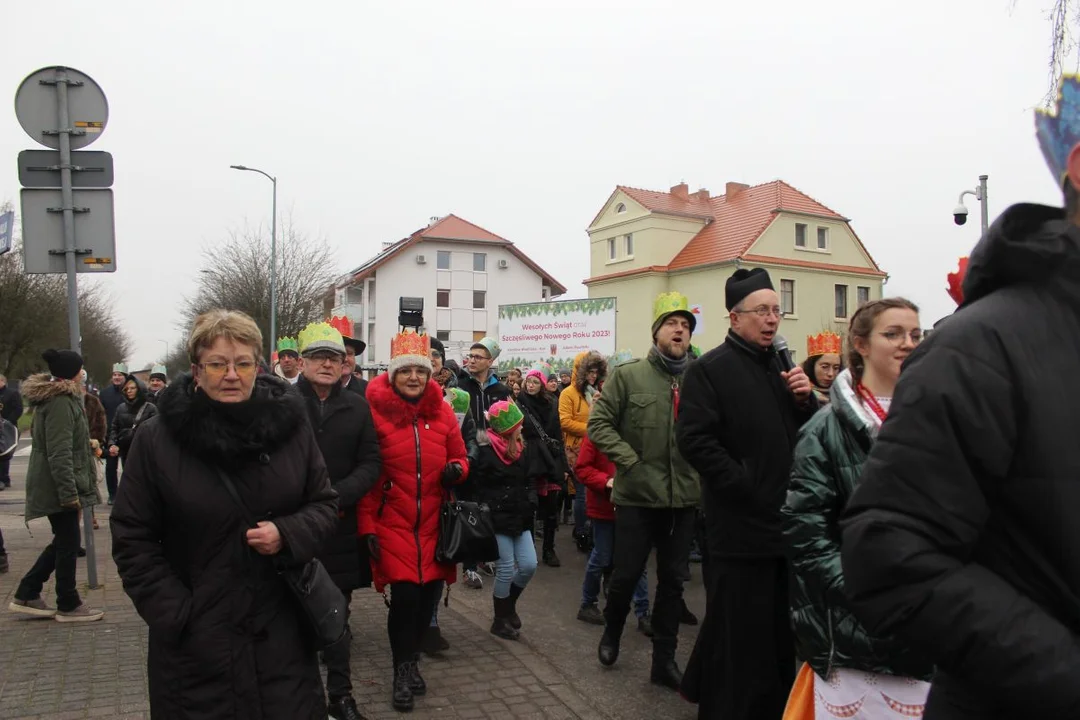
620, 208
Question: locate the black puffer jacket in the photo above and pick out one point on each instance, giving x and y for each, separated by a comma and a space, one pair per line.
226, 639
962, 537
131, 413
345, 434
545, 464
506, 489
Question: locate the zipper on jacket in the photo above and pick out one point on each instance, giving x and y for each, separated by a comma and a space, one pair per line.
419, 491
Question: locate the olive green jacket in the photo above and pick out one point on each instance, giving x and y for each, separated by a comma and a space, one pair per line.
633, 423
61, 468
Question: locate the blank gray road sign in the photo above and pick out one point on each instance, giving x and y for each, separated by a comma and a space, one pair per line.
43, 231
36, 108
41, 169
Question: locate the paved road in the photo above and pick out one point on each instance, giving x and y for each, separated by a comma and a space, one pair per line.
49, 670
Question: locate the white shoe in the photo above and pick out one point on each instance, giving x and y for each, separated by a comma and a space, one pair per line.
473, 580
82, 613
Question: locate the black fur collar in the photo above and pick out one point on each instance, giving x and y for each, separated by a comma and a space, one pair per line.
231, 434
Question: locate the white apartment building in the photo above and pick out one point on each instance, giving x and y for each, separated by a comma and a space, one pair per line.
463, 273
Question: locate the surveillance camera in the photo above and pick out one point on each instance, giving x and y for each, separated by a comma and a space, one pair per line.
960, 215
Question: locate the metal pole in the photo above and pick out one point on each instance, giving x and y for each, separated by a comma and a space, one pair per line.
74, 333
273, 272
983, 203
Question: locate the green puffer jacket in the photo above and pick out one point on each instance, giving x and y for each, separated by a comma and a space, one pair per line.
829, 456
633, 423
61, 468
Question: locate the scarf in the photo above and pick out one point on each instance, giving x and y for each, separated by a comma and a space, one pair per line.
501, 446
590, 390
674, 367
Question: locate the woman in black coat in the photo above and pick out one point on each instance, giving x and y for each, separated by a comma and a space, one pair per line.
547, 456
226, 638
132, 413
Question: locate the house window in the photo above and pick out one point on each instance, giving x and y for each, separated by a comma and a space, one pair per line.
442, 260
479, 262
478, 335
620, 208
443, 335
823, 238
479, 299
840, 298
787, 297
862, 295
630, 244
800, 235
442, 298
611, 248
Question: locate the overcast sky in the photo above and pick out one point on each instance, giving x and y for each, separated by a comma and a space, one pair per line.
522, 117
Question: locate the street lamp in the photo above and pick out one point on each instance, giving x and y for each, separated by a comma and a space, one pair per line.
273, 253
979, 193
166, 350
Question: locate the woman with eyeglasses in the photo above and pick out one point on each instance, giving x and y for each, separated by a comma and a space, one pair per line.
226, 637
423, 454
845, 662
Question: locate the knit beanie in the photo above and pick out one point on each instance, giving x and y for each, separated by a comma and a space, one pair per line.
63, 364
538, 374
504, 417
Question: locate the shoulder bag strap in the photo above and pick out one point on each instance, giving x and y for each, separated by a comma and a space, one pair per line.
231, 487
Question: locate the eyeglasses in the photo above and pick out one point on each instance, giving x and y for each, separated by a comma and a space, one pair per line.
763, 311
476, 358
323, 358
896, 337
217, 369
413, 370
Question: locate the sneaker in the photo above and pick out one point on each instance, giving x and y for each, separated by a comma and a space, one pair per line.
644, 625
4, 567
79, 614
695, 556
35, 607
486, 568
591, 614
473, 580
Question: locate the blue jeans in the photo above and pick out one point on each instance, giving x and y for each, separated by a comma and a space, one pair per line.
579, 508
441, 584
600, 559
513, 551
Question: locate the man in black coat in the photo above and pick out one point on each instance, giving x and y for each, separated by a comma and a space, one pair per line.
112, 397
962, 537
345, 434
738, 418
353, 349
11, 409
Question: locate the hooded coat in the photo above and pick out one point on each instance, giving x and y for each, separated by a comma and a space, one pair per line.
574, 405
962, 536
829, 456
226, 638
95, 418
128, 416
416, 441
546, 465
61, 468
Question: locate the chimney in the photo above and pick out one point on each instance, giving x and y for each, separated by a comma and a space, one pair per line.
734, 188
681, 191
702, 194
433, 219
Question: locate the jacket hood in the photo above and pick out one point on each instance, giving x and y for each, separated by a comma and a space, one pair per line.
231, 434
1028, 243
582, 364
39, 389
845, 402
140, 391
385, 401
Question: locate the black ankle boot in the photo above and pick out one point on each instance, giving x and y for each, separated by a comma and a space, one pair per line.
402, 695
416, 682
608, 652
549, 557
512, 615
665, 672
501, 625
344, 709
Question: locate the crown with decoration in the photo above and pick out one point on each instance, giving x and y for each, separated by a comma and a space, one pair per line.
668, 303
504, 417
287, 344
1058, 128
320, 336
955, 281
824, 343
342, 324
409, 348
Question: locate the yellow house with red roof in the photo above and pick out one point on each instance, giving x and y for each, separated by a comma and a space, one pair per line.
645, 242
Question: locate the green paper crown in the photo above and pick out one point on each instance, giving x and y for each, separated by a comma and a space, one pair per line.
320, 336
287, 343
670, 302
458, 399
504, 416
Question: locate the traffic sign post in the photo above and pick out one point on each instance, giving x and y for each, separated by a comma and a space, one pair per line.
64, 109
7, 229
89, 169
43, 230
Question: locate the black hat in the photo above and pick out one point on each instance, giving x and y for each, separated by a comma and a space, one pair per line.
743, 282
436, 345
358, 346
63, 364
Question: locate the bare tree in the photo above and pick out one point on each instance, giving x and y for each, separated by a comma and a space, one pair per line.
1062, 16
236, 276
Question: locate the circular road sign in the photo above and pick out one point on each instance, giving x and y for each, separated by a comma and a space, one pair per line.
37, 107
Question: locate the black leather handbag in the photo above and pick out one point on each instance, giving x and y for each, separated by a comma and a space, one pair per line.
466, 533
319, 599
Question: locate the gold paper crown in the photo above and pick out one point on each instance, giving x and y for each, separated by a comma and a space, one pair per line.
317, 336
410, 343
824, 343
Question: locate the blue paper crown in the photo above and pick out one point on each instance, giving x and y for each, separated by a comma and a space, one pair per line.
1058, 128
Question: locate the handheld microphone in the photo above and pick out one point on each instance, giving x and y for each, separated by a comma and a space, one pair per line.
780, 345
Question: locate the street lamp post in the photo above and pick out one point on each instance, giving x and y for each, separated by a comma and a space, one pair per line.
979, 193
166, 350
273, 254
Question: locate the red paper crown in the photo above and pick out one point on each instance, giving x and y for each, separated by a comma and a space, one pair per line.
410, 343
824, 343
342, 324
955, 287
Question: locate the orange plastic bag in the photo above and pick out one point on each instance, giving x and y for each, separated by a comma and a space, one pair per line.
800, 703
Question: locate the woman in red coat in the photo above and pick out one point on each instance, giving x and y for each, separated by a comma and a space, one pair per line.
422, 454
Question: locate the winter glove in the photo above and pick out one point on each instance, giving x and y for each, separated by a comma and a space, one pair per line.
373, 547
451, 474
